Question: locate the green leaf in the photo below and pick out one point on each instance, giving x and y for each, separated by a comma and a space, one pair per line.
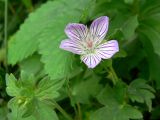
121, 53
112, 96
153, 35
32, 65
40, 112
62, 65
3, 112
48, 89
130, 26
43, 112
125, 112
16, 111
141, 92
129, 1
28, 4
49, 22
24, 88
84, 89
115, 106
30, 97
12, 85
153, 60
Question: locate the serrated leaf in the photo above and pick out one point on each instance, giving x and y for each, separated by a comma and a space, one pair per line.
115, 106
125, 112
112, 96
12, 85
16, 111
84, 89
25, 87
28, 101
48, 22
48, 89
41, 111
62, 64
141, 92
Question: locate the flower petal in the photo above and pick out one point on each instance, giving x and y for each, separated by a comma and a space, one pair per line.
76, 31
99, 28
91, 60
108, 49
71, 46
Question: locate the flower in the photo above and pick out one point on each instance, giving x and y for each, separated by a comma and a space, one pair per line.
88, 42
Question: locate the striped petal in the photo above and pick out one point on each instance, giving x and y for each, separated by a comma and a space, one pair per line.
71, 46
76, 31
99, 28
91, 60
108, 49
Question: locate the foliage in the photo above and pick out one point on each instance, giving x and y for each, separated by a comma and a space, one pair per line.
30, 98
46, 82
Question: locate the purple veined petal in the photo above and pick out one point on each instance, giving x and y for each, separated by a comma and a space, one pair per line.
108, 49
91, 60
76, 31
99, 28
71, 46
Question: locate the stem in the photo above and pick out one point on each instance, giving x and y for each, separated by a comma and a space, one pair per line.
69, 91
60, 109
79, 112
5, 30
115, 77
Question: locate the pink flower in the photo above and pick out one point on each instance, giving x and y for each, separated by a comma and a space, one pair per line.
88, 42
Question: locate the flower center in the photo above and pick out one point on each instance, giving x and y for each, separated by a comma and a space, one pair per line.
89, 44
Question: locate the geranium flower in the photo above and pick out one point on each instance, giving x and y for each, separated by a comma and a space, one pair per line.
88, 43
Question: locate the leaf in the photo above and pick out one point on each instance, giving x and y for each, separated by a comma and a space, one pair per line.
16, 111
27, 87
48, 89
153, 35
112, 96
62, 65
12, 85
32, 65
125, 112
41, 112
153, 60
141, 92
129, 1
29, 100
3, 112
44, 112
115, 106
130, 26
48, 22
84, 89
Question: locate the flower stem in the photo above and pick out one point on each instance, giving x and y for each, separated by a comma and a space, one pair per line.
69, 91
68, 117
114, 75
79, 111
5, 31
